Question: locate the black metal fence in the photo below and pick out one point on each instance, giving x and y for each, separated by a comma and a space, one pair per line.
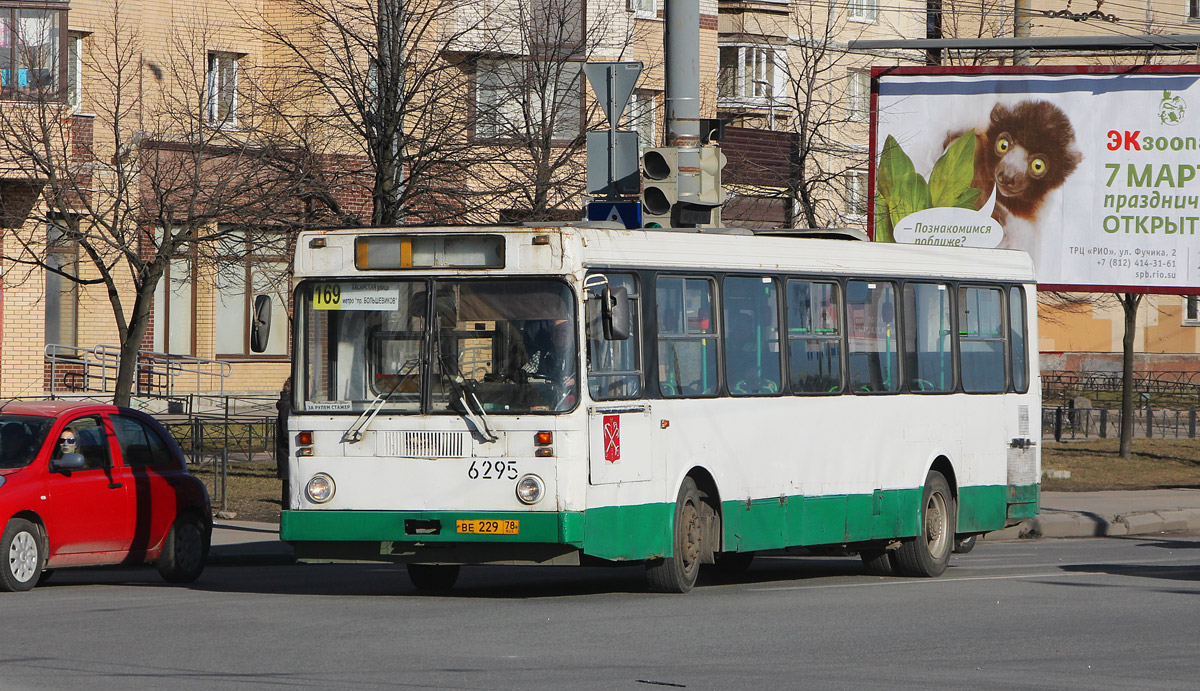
237, 429
1065, 422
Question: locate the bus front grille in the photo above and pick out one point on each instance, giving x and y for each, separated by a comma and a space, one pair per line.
423, 444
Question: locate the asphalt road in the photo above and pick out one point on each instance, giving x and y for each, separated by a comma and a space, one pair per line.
1114, 613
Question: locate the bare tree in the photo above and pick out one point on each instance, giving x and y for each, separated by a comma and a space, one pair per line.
1055, 302
147, 180
373, 91
529, 107
819, 108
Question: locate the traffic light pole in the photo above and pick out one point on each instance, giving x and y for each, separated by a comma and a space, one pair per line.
681, 43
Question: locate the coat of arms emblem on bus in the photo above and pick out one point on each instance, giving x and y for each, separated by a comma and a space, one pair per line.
612, 438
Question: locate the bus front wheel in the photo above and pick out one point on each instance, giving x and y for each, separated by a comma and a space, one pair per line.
677, 573
928, 553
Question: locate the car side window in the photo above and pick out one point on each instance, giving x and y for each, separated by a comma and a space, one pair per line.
89, 439
141, 445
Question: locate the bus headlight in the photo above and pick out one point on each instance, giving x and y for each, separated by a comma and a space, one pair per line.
530, 489
319, 488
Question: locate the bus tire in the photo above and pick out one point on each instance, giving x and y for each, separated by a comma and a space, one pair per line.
928, 554
678, 572
879, 562
964, 544
733, 563
433, 578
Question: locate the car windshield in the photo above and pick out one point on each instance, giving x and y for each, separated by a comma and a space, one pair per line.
20, 438
493, 346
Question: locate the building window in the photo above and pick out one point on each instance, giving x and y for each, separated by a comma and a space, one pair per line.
31, 44
748, 73
856, 193
222, 89
639, 117
520, 99
175, 307
74, 70
62, 293
245, 269
648, 9
863, 10
1191, 310
1193, 9
858, 94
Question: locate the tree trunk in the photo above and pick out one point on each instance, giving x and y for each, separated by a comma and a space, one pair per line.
1129, 302
131, 346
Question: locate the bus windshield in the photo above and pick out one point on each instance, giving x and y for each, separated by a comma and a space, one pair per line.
477, 346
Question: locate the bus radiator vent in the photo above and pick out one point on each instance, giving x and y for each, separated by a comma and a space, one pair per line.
423, 445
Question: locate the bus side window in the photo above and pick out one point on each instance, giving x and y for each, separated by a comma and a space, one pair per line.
1017, 339
614, 367
981, 339
928, 338
687, 337
873, 347
814, 331
752, 365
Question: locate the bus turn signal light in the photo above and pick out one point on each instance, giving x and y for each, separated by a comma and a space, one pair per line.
304, 438
543, 438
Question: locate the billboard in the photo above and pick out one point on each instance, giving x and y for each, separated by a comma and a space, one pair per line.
1095, 171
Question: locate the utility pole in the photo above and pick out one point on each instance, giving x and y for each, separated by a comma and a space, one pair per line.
681, 41
1022, 23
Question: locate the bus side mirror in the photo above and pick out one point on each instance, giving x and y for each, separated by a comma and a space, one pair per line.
260, 328
617, 321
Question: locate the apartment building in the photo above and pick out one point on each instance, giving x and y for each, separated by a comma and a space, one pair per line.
492, 105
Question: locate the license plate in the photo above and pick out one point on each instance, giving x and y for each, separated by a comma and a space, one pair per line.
489, 527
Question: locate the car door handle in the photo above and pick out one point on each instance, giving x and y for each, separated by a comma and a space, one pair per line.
115, 485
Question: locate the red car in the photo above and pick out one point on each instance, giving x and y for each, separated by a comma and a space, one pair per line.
83, 484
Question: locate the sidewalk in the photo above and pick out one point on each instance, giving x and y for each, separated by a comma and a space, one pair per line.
1103, 514
1064, 514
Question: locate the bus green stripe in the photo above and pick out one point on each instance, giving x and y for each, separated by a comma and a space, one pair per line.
644, 531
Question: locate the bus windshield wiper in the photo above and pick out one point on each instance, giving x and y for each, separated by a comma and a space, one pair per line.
464, 389
355, 433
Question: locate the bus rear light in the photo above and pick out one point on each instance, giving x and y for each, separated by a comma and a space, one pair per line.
530, 489
543, 438
544, 452
304, 451
319, 488
304, 438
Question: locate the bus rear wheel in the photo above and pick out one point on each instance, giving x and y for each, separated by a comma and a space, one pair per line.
879, 562
928, 553
677, 573
433, 578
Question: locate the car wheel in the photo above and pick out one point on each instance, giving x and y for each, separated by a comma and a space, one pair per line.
21, 546
185, 551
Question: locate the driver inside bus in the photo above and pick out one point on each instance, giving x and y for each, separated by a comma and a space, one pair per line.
550, 350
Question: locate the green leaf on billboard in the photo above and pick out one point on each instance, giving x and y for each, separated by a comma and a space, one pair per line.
952, 174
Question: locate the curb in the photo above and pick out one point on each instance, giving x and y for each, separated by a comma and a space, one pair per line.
1076, 524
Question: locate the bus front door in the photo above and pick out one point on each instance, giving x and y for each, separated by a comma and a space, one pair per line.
618, 443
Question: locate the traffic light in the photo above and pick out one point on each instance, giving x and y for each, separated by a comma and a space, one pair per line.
712, 194
663, 205
660, 186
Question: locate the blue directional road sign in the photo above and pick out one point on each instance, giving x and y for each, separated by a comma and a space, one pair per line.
628, 213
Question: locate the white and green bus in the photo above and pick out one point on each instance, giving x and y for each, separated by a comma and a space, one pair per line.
558, 395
